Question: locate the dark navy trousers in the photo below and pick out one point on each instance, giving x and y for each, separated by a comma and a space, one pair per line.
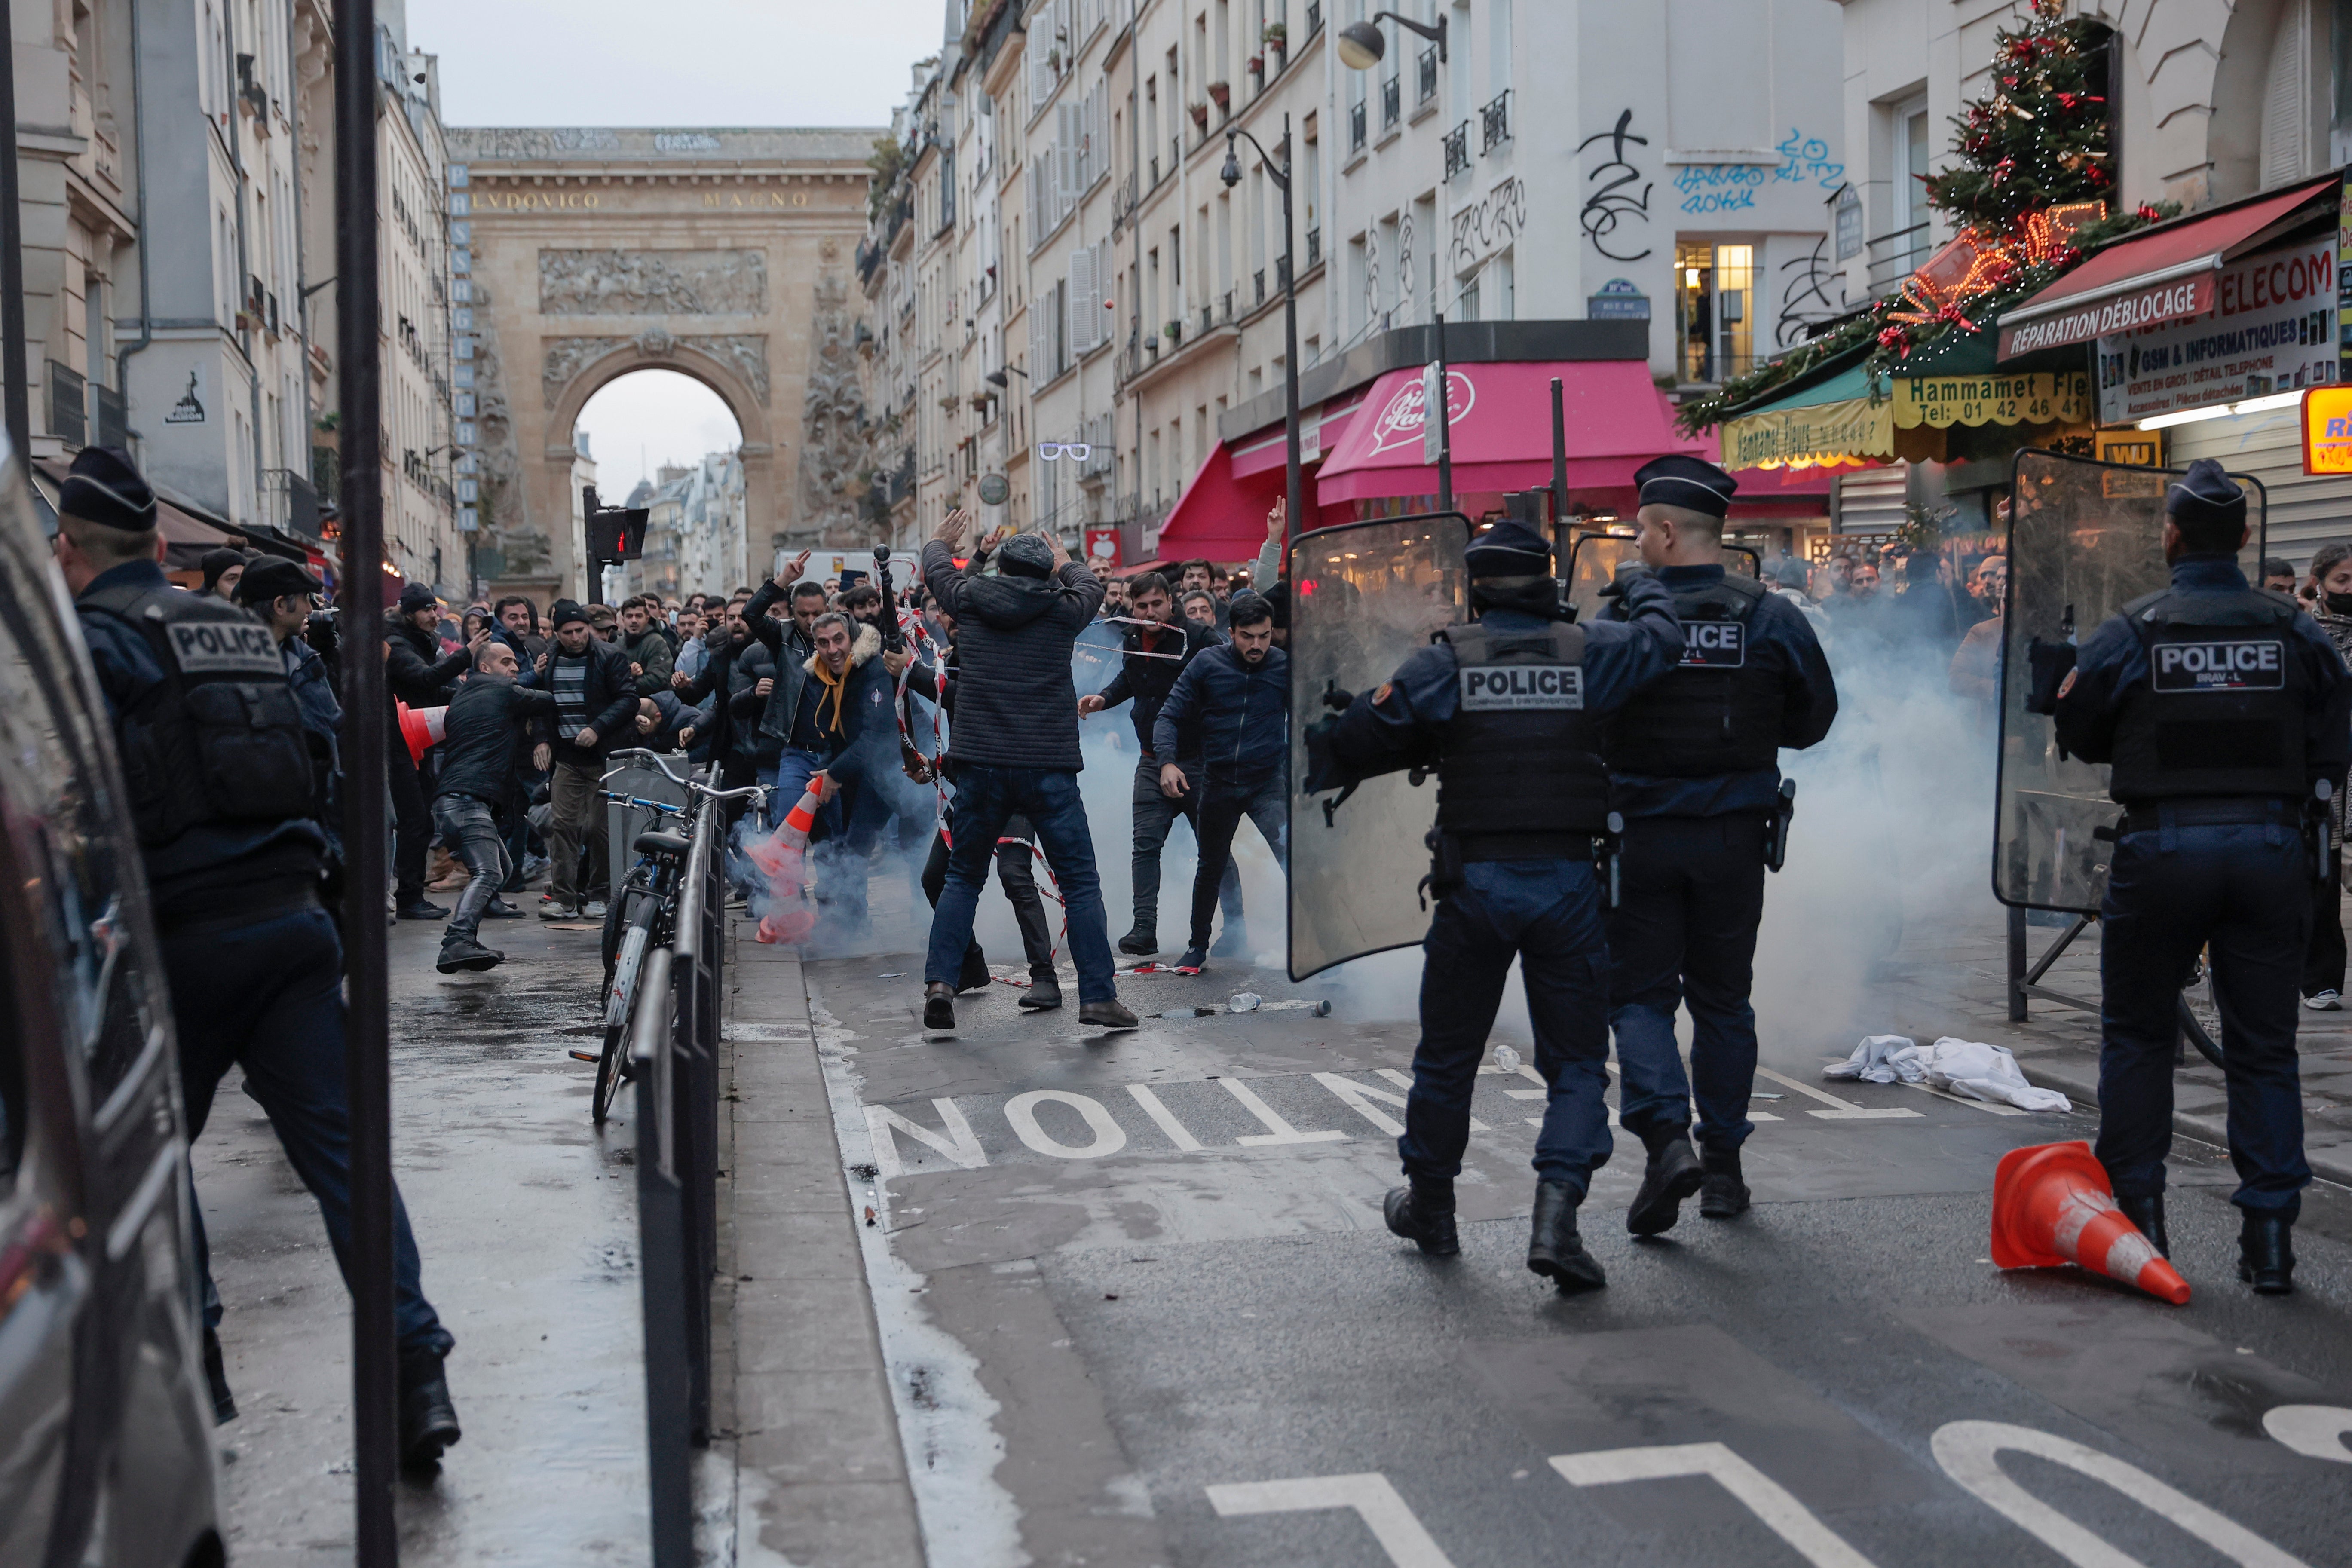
2246, 891
1690, 894
1547, 913
268, 996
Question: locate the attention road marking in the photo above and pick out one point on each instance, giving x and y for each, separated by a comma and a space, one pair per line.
1277, 1130
1376, 1502
1165, 1120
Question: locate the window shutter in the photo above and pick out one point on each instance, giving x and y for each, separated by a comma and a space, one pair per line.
2283, 100
1082, 299
1037, 367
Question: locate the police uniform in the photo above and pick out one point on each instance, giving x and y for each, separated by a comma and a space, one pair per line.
2217, 705
221, 782
1693, 761
1508, 709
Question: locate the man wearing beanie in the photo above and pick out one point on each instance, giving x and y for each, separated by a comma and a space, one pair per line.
415, 671
595, 711
222, 568
233, 860
1694, 764
1510, 706
1013, 750
2217, 706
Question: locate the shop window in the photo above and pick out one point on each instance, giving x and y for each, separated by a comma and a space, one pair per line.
1714, 300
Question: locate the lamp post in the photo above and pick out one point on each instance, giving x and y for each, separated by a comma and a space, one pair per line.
1361, 44
1293, 480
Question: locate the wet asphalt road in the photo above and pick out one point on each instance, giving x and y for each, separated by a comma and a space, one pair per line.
1175, 1332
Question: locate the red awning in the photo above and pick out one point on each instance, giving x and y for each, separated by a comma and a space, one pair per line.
2165, 275
1617, 419
1222, 516
1319, 433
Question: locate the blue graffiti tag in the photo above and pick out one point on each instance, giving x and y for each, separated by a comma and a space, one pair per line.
1728, 187
1803, 158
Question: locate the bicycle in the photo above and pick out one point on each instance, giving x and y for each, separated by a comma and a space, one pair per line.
642, 912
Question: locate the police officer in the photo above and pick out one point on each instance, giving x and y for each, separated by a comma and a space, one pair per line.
2218, 705
220, 783
1507, 708
1694, 770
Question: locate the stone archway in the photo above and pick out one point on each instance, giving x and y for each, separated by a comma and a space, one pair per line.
590, 253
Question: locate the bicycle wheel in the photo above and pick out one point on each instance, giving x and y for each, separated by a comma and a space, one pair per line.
2206, 1046
616, 915
620, 1000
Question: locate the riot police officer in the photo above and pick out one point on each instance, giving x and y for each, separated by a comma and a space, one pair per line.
2218, 706
1508, 709
221, 787
1693, 763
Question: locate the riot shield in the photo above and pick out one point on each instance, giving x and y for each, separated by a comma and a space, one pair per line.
1363, 596
2085, 538
1593, 559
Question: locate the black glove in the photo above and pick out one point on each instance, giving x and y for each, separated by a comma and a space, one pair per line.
1630, 568
2049, 664
1323, 769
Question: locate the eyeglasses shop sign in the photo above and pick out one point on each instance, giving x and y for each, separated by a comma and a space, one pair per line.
2272, 329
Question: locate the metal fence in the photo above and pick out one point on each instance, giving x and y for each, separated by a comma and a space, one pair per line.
673, 1058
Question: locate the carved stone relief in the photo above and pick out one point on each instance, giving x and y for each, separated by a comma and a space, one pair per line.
564, 358
837, 450
522, 548
745, 354
652, 282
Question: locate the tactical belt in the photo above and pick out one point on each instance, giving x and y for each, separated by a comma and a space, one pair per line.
1527, 846
2237, 811
252, 903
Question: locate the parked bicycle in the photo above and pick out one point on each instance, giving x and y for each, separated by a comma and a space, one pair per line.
643, 911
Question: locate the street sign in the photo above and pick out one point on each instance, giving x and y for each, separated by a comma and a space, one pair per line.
994, 489
1432, 412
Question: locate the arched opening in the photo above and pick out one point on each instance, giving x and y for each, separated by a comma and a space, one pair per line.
669, 442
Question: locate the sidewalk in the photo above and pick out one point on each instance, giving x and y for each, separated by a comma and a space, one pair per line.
1954, 981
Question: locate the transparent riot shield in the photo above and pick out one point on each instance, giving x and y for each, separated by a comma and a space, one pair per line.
1363, 596
2085, 539
1592, 560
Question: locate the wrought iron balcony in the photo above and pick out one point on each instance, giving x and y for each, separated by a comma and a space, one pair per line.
1425, 79
1314, 17
1392, 101
1313, 249
1457, 148
1495, 122
1356, 127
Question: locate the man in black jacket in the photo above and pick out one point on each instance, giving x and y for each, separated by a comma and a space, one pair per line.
596, 700
1014, 748
415, 671
486, 722
1154, 657
793, 748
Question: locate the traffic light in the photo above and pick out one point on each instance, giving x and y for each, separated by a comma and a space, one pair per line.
616, 534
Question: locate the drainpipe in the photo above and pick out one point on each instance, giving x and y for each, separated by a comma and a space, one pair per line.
243, 261
138, 162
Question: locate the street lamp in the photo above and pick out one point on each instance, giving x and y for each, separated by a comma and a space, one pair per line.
1293, 496
1361, 44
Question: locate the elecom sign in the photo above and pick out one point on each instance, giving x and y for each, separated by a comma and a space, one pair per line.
2221, 666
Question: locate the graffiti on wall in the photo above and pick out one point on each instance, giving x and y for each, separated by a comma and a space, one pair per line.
1486, 225
1731, 187
1612, 205
1805, 297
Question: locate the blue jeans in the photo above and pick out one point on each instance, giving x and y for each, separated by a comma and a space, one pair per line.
268, 996
1691, 892
1155, 815
1548, 912
787, 777
985, 798
2245, 889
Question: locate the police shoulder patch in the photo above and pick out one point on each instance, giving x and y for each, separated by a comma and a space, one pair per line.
1387, 690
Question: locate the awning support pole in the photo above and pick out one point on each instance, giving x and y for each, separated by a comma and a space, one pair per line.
1559, 454
1444, 414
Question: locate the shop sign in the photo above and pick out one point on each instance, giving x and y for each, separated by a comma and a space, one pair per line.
1942, 401
1619, 300
2328, 430
2107, 316
2272, 329
1102, 549
2139, 449
1824, 433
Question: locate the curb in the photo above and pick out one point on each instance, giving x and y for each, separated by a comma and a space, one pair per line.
2325, 1163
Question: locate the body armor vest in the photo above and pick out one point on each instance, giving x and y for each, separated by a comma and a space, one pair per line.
1520, 755
219, 739
2221, 711
1717, 710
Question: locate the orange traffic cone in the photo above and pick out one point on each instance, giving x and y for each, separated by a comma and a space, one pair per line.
421, 728
2051, 1204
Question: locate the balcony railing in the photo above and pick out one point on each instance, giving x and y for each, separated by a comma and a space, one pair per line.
1257, 287
1313, 249
1392, 101
1457, 148
1495, 123
1894, 257
1314, 17
1356, 127
1425, 78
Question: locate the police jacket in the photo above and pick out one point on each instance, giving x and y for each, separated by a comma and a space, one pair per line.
1241, 711
221, 796
1146, 676
1530, 772
418, 672
487, 719
1703, 740
788, 646
1016, 705
2211, 689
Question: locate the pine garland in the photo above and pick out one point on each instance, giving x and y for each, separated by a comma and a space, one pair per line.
2038, 142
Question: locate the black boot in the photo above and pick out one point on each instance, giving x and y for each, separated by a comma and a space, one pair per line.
974, 975
2266, 1253
1142, 941
2148, 1214
939, 1005
1555, 1250
428, 1422
1424, 1215
1044, 988
463, 954
216, 1381
1672, 1176
1721, 1193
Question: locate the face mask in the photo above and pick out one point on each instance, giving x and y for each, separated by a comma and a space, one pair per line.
2339, 603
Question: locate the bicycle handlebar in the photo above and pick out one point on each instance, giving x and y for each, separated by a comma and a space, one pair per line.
653, 759
661, 765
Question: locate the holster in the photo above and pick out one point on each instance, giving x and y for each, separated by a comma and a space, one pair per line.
1608, 851
1444, 866
1776, 827
2048, 664
2319, 830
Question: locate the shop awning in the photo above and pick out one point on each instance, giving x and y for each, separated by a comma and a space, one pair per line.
1222, 515
1617, 419
2164, 275
1831, 423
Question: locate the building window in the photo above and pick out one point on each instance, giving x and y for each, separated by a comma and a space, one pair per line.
1714, 285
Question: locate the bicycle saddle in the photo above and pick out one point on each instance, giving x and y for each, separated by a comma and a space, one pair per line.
654, 841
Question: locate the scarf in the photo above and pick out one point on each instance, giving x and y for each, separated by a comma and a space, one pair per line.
835, 686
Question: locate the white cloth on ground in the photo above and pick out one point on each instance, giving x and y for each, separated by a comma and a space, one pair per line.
1966, 1067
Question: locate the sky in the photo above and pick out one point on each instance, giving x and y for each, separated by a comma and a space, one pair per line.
649, 417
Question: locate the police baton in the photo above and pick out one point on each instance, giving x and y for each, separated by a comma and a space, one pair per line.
2318, 831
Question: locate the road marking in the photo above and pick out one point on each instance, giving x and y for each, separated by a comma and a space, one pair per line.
2317, 1430
1359, 1097
1987, 1106
1404, 1080
1376, 1502
1971, 1453
1165, 1120
1841, 1110
1022, 1111
1765, 1497
1277, 1130
956, 1142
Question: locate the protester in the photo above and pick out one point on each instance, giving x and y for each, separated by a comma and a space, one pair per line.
1201, 608
648, 650
222, 568
848, 707
791, 747
2328, 596
1241, 692
1976, 668
2279, 577
282, 594
486, 725
595, 698
418, 672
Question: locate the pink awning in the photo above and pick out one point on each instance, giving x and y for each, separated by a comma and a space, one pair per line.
1616, 420
1269, 448
1220, 516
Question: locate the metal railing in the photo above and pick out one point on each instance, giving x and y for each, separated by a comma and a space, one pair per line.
1314, 251
1457, 148
1495, 122
1356, 126
1314, 17
673, 1058
1425, 78
1894, 257
1392, 101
